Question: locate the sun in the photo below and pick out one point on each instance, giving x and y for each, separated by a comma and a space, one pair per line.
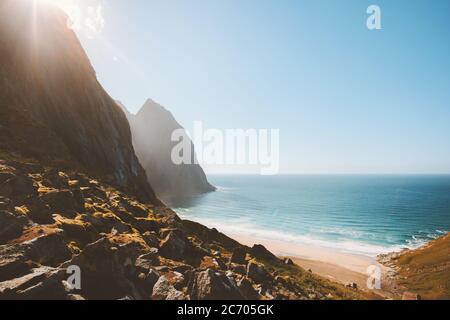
73, 9
83, 15
69, 6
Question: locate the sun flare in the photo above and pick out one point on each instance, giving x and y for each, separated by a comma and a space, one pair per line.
83, 16
69, 6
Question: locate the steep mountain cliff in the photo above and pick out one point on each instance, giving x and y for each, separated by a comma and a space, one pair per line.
152, 129
47, 81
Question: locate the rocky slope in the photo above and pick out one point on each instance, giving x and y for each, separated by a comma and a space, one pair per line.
423, 273
52, 219
152, 129
47, 81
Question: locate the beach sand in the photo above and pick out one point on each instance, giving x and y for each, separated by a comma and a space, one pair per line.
332, 264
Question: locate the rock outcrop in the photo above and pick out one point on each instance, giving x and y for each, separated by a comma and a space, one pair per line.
51, 105
125, 249
152, 129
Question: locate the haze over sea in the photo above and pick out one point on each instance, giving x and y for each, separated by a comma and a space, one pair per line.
361, 214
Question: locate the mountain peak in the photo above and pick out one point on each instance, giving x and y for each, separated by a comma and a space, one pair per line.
152, 130
150, 103
151, 106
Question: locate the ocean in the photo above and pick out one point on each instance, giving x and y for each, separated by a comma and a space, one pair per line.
360, 214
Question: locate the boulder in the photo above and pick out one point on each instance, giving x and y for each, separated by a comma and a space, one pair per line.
125, 216
75, 229
175, 295
146, 224
148, 281
11, 225
163, 290
257, 272
288, 261
13, 261
238, 268
151, 239
18, 187
195, 253
38, 211
164, 232
260, 252
182, 268
106, 222
136, 209
80, 179
246, 289
209, 263
169, 217
238, 255
61, 201
173, 246
96, 257
47, 246
176, 279
50, 288
162, 269
17, 287
79, 199
21, 166
55, 179
107, 270
93, 192
209, 285
146, 262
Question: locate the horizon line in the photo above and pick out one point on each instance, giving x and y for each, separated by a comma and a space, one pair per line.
334, 174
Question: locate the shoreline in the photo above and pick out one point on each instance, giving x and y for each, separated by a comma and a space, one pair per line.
331, 264
351, 261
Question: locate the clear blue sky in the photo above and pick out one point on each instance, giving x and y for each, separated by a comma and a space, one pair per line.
346, 99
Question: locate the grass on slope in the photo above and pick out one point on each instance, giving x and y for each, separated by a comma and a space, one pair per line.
308, 283
426, 271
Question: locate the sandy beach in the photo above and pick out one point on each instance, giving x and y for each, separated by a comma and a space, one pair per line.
332, 264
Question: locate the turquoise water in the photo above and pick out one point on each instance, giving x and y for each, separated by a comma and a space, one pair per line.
359, 214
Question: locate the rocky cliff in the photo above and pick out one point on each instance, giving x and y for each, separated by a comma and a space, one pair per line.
152, 129
47, 81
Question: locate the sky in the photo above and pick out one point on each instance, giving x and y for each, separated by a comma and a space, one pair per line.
345, 98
